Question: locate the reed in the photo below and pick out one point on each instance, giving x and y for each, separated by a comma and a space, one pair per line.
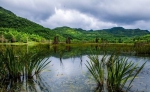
11, 64
14, 65
34, 64
113, 73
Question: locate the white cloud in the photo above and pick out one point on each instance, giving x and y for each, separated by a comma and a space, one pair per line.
139, 24
73, 18
86, 14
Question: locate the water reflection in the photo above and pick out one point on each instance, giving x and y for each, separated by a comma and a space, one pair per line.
67, 72
37, 84
55, 49
74, 75
68, 48
70, 77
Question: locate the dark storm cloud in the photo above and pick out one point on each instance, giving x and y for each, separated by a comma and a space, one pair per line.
86, 14
30, 9
118, 11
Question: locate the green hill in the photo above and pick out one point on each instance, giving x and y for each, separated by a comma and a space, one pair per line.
10, 22
18, 29
120, 31
9, 19
116, 34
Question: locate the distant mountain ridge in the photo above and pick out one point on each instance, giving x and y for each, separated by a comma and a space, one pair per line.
9, 20
127, 32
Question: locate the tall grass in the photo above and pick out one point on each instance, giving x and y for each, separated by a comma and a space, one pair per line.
15, 65
15, 68
113, 73
34, 64
11, 64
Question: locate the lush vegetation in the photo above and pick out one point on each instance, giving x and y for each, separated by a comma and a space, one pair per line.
17, 29
11, 35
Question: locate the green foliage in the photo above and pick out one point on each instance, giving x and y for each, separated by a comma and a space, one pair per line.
34, 32
114, 35
34, 64
112, 73
144, 38
10, 34
121, 32
14, 65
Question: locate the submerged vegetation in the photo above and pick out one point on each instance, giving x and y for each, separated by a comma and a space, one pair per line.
113, 73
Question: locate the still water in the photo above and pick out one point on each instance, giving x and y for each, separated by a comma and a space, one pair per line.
71, 75
67, 72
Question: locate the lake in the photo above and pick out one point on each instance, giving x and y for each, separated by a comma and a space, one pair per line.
67, 71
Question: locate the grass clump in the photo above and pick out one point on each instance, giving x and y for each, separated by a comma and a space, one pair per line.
14, 65
34, 64
16, 68
113, 73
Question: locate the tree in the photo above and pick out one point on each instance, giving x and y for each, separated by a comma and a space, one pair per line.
68, 40
96, 40
13, 39
55, 40
120, 40
2, 38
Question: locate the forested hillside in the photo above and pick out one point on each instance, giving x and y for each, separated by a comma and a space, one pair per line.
18, 29
14, 27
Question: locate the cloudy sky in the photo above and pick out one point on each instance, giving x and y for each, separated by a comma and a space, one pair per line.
85, 14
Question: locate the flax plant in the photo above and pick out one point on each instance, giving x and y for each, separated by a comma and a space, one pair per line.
2, 67
95, 68
34, 64
120, 71
11, 64
14, 65
115, 71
